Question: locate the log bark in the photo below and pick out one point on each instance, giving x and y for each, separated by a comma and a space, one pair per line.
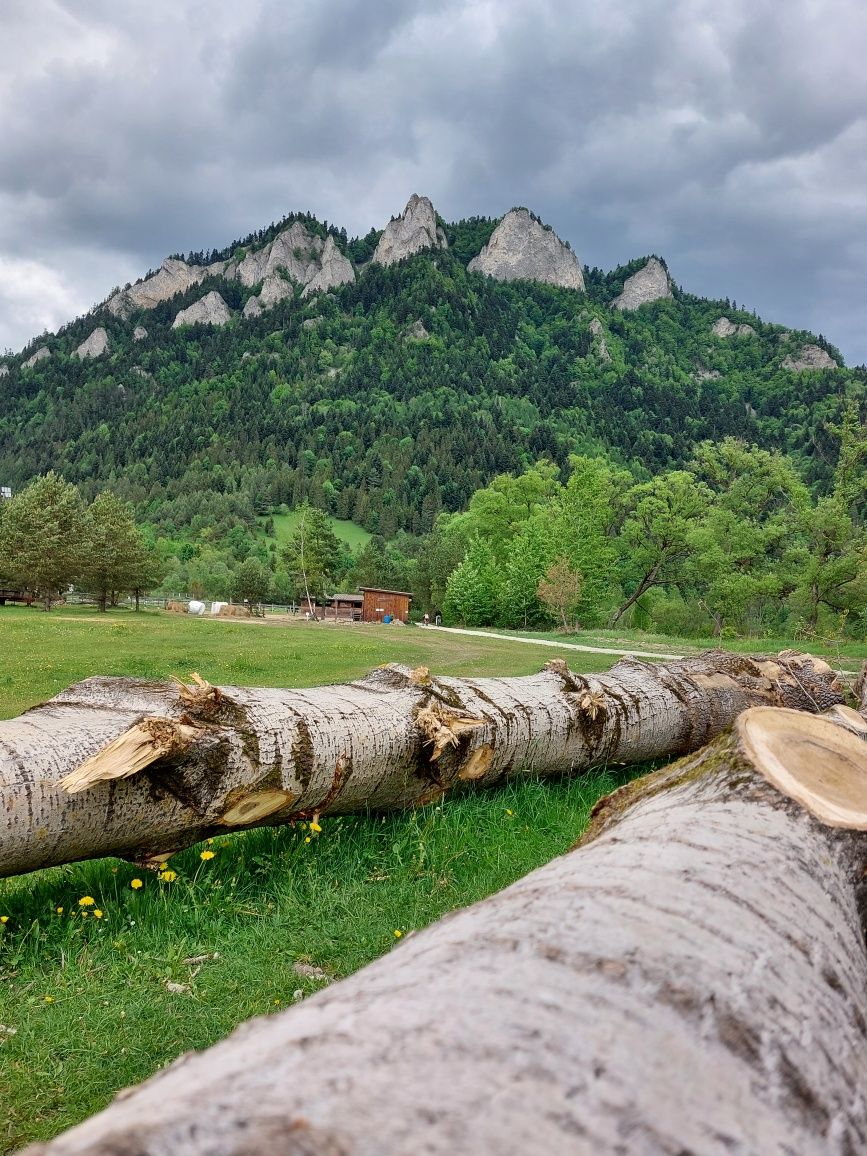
115, 766
691, 979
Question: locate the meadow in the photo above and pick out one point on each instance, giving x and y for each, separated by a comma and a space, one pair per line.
108, 972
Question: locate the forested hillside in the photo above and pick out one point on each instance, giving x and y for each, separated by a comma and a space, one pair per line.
400, 392
394, 397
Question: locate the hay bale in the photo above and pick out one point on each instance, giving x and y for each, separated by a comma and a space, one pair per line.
177, 607
234, 612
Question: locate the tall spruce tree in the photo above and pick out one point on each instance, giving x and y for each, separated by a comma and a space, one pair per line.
42, 538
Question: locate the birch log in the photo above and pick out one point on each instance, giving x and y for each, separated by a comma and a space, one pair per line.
691, 980
137, 769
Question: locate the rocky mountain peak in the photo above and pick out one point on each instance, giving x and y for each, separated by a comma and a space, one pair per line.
414, 230
649, 283
521, 248
334, 270
208, 310
40, 355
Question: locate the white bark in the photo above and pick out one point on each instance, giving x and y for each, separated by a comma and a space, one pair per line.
692, 979
182, 764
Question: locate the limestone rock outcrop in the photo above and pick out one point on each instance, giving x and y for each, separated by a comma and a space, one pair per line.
810, 357
139, 333
295, 250
253, 308
302, 256
722, 327
209, 310
4, 369
650, 283
174, 276
417, 332
522, 249
334, 270
598, 332
413, 231
93, 346
40, 355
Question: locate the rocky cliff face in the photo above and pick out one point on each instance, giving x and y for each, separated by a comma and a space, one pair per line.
139, 333
40, 355
810, 357
598, 332
174, 276
722, 327
210, 310
294, 250
93, 346
650, 283
414, 230
522, 249
334, 270
4, 369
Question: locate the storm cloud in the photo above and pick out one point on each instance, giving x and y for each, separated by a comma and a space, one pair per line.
730, 136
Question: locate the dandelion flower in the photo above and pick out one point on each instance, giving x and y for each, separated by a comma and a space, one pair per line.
307, 840
97, 914
206, 855
4, 918
136, 883
397, 934
509, 812
168, 876
314, 826
49, 999
59, 910
86, 901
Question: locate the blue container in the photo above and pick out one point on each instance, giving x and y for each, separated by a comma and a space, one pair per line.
386, 618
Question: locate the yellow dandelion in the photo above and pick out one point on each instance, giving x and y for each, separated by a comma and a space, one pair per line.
136, 883
397, 933
97, 914
59, 910
307, 840
508, 812
4, 918
84, 915
49, 999
276, 1001
206, 855
314, 826
168, 876
163, 866
86, 901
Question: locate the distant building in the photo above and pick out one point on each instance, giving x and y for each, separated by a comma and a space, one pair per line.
381, 604
345, 607
5, 493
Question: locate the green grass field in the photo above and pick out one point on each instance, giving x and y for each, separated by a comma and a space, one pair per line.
285, 526
84, 1004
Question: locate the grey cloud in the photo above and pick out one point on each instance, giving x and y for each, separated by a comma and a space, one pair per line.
719, 134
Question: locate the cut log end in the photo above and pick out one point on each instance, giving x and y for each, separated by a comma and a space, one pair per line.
131, 752
256, 806
813, 760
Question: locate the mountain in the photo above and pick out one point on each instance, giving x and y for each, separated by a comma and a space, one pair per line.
387, 377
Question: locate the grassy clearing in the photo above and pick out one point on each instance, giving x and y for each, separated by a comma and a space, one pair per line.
44, 653
84, 1004
351, 533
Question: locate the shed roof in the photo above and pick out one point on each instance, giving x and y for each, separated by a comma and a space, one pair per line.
382, 590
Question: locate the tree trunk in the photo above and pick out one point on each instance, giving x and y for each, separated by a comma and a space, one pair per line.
643, 586
692, 979
115, 766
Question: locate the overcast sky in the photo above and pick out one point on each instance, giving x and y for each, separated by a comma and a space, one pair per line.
729, 136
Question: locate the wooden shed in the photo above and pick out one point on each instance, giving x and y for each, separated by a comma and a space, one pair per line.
345, 607
379, 604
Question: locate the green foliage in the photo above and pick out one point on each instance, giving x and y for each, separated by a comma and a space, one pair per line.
43, 537
315, 558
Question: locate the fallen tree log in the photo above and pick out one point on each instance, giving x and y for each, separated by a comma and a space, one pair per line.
691, 979
116, 766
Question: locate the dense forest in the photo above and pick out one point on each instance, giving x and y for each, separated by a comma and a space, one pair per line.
393, 400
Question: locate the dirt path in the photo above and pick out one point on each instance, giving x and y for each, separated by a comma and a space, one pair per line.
548, 642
